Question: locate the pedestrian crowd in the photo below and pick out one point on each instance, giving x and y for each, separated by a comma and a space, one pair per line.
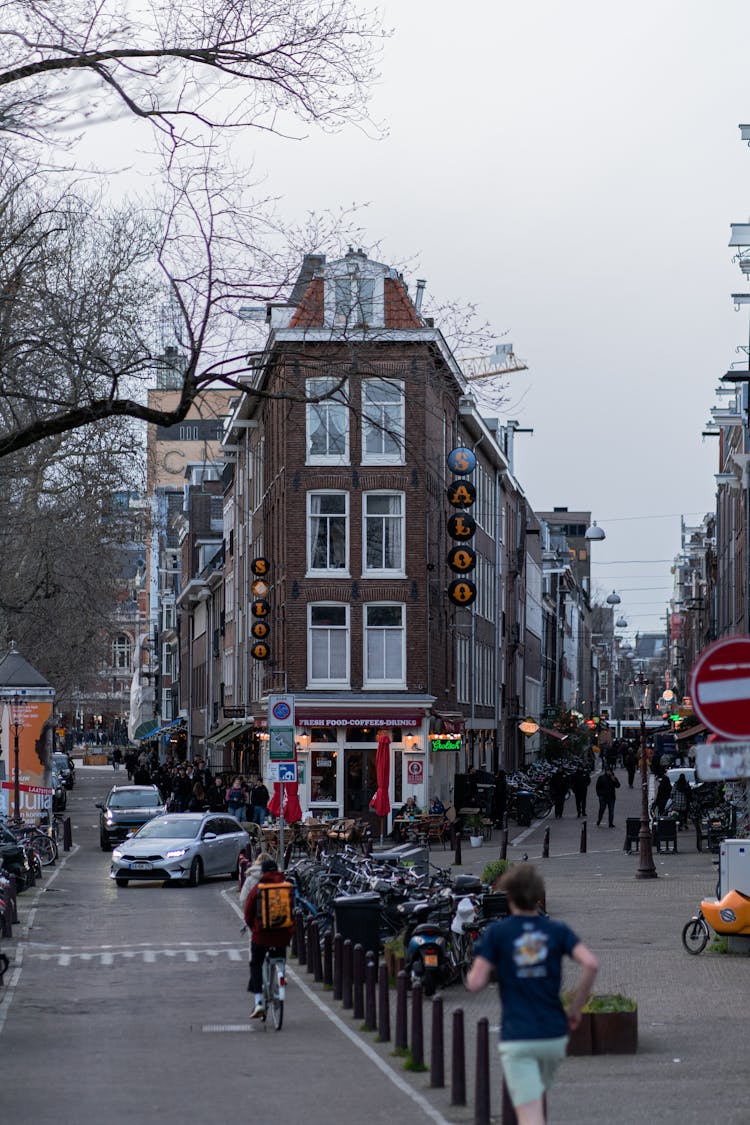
192, 787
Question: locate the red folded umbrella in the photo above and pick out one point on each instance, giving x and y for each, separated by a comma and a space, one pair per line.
292, 807
381, 803
274, 805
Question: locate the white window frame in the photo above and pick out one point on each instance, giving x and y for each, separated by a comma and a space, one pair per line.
166, 705
122, 652
312, 681
339, 401
384, 572
348, 277
378, 684
168, 660
326, 572
384, 458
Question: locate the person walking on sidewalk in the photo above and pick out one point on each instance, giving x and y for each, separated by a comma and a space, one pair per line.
558, 790
526, 952
606, 790
579, 783
630, 761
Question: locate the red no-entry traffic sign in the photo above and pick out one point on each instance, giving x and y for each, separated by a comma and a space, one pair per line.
720, 687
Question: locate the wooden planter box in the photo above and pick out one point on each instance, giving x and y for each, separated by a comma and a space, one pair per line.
580, 1041
605, 1033
95, 760
614, 1033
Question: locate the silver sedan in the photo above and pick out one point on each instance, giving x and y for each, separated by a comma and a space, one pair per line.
180, 847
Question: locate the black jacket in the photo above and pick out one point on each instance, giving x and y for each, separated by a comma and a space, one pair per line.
606, 784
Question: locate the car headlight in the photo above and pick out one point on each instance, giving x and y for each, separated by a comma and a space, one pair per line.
176, 853
117, 854
108, 818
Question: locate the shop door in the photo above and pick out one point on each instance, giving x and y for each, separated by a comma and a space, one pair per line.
360, 783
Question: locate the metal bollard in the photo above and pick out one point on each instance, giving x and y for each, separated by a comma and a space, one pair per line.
338, 963
457, 859
301, 947
346, 975
417, 1027
583, 837
358, 978
545, 844
482, 1084
6, 930
384, 1006
370, 1013
309, 943
67, 834
401, 1042
437, 1051
13, 892
328, 958
504, 845
316, 958
458, 1059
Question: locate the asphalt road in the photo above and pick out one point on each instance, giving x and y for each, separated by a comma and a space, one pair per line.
130, 1004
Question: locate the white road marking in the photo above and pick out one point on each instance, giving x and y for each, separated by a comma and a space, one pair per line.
401, 1083
108, 957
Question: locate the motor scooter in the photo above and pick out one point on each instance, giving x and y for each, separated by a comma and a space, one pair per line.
729, 915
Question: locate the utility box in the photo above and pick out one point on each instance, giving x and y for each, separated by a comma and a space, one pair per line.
406, 855
734, 866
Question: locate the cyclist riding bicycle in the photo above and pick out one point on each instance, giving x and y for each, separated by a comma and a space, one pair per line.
266, 939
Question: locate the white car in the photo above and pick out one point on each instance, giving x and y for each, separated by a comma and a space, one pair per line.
180, 847
689, 772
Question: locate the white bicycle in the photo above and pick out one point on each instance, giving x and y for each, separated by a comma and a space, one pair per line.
274, 990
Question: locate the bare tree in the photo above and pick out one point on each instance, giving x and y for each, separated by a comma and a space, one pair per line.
185, 66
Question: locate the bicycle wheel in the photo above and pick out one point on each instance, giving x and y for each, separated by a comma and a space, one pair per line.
45, 847
275, 1003
695, 935
542, 807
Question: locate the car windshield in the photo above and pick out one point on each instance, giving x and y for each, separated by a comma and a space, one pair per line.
135, 799
61, 761
171, 828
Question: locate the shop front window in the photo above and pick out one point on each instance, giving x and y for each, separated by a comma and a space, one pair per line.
323, 775
323, 734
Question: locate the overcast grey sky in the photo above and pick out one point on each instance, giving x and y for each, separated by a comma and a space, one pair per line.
572, 168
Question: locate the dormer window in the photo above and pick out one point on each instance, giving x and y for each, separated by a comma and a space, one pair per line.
354, 293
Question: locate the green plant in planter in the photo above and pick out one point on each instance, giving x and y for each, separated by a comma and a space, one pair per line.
494, 870
474, 823
395, 946
606, 1003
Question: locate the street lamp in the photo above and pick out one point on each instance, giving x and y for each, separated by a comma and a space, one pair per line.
15, 722
640, 687
595, 533
612, 600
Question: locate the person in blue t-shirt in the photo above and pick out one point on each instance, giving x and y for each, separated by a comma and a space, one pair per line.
526, 952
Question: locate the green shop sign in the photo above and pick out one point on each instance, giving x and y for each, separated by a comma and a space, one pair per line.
450, 742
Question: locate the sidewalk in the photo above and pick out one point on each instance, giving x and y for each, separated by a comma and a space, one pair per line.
692, 1056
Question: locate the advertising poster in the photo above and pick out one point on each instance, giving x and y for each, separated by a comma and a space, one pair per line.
35, 743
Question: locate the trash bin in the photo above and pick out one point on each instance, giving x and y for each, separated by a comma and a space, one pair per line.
524, 808
406, 855
358, 919
632, 832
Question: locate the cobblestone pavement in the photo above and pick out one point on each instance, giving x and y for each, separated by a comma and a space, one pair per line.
693, 1025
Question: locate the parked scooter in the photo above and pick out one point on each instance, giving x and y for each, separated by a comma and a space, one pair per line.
729, 915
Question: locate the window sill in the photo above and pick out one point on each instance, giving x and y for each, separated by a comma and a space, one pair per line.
385, 685
328, 574
384, 574
331, 462
328, 685
382, 462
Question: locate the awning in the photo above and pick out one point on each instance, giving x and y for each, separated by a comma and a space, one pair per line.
148, 735
681, 735
229, 731
454, 722
554, 734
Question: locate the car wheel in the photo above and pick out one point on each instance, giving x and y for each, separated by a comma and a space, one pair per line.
121, 881
196, 873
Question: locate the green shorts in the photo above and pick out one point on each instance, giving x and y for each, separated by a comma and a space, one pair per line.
529, 1066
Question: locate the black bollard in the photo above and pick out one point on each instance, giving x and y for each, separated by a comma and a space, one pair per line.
457, 859
317, 958
338, 963
401, 1042
67, 834
301, 947
504, 845
417, 1027
346, 975
482, 1087
384, 1006
370, 1013
358, 980
328, 958
583, 837
13, 892
458, 1059
509, 1114
437, 1051
545, 844
287, 855
309, 943
6, 930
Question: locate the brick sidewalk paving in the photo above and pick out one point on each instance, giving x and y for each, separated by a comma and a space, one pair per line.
693, 1023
